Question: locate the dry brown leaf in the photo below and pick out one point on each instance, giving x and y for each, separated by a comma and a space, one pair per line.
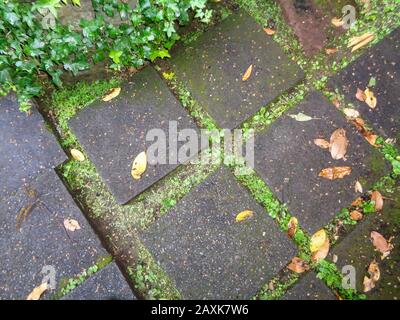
381, 244
269, 31
375, 275
139, 165
370, 137
360, 95
335, 173
370, 98
71, 224
37, 292
77, 155
337, 22
244, 215
351, 113
358, 202
338, 144
298, 265
292, 226
248, 73
113, 93
336, 102
322, 143
330, 51
374, 271
363, 43
356, 215
358, 187
369, 284
376, 196
322, 253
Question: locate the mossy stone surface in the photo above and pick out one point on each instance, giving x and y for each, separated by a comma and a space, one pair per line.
289, 162
207, 253
212, 68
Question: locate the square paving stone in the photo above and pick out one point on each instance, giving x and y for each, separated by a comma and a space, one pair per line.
27, 148
358, 251
40, 239
381, 62
309, 287
114, 133
107, 284
212, 68
289, 162
210, 256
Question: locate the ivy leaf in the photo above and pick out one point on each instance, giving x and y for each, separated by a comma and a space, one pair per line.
163, 53
115, 55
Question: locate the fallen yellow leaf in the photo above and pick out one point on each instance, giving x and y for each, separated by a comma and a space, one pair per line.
248, 73
113, 93
337, 22
77, 155
359, 39
244, 215
317, 240
139, 165
37, 292
370, 99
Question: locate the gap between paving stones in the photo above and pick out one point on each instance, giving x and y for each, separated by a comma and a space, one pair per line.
269, 120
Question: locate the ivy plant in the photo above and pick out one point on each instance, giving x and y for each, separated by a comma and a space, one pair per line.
31, 50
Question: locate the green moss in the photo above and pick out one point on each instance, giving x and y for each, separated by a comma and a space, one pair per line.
67, 285
65, 103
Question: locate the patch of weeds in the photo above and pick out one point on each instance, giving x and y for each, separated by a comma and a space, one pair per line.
391, 154
150, 281
65, 103
69, 285
333, 278
277, 287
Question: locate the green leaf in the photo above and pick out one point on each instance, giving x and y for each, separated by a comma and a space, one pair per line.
372, 82
115, 55
159, 54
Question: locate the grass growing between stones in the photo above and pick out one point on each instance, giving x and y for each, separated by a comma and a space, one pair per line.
68, 285
121, 224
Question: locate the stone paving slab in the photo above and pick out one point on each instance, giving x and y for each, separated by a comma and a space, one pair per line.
114, 133
383, 63
212, 68
289, 162
309, 287
357, 249
41, 239
209, 255
107, 284
27, 148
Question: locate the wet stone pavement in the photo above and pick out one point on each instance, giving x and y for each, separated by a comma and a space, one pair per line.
198, 243
33, 208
